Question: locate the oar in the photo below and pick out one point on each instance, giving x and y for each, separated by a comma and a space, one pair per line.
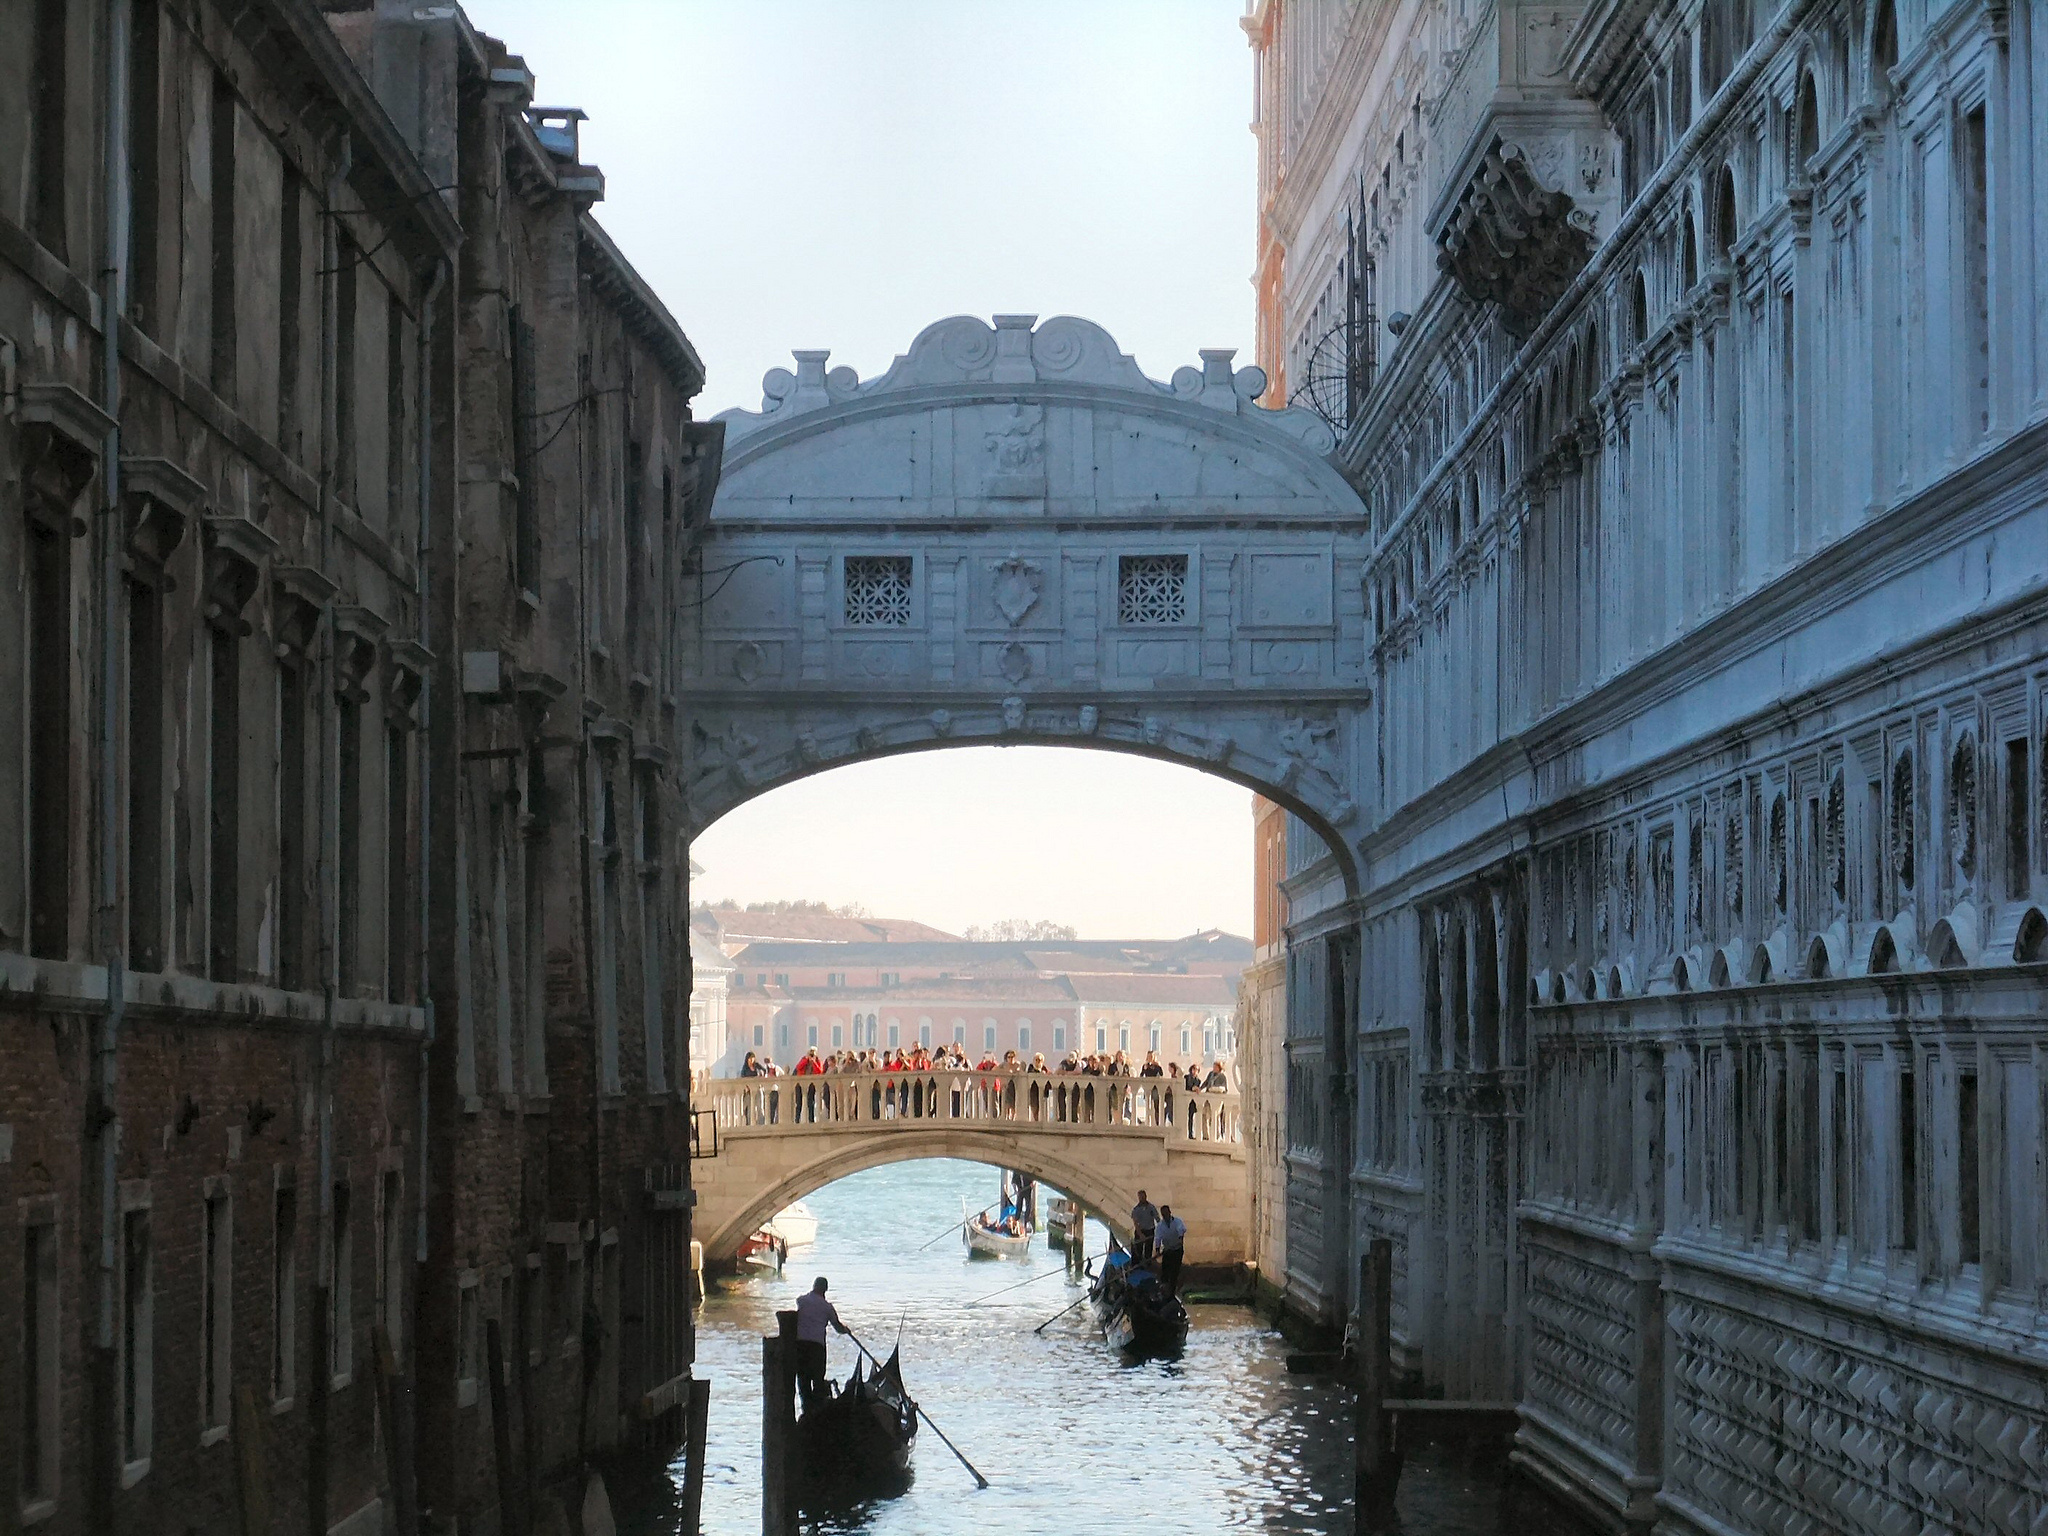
955, 1227
992, 1295
1063, 1311
979, 1480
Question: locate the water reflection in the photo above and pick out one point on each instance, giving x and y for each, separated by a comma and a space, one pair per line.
1070, 1436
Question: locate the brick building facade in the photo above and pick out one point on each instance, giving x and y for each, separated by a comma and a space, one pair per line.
346, 478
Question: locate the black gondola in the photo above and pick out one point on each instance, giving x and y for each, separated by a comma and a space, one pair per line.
1133, 1309
858, 1438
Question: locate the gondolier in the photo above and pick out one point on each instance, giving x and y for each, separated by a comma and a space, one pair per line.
1173, 1236
813, 1315
1144, 1217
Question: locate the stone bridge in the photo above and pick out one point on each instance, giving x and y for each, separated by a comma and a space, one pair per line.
1099, 1139
1013, 536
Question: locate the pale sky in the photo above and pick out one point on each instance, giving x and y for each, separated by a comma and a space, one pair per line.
841, 173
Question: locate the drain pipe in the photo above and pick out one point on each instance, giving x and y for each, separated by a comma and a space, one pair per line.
423, 596
111, 937
331, 384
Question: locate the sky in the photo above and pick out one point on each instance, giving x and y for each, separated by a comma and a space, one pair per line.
841, 173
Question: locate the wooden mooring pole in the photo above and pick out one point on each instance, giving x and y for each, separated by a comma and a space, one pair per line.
778, 1429
1377, 1466
696, 1416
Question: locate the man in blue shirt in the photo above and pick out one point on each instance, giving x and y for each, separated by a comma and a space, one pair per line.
1171, 1235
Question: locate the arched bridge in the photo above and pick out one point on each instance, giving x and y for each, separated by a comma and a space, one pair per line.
1013, 535
1100, 1139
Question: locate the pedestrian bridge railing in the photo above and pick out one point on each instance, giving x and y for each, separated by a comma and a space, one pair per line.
1011, 1101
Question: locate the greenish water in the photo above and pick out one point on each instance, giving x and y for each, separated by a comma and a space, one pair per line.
1071, 1437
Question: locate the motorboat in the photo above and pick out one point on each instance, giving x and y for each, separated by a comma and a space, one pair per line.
857, 1438
796, 1225
1134, 1310
764, 1250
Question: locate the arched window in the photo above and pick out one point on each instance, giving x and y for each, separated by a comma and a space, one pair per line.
1153, 1037
1714, 50
1101, 1037
1123, 1035
1884, 46
924, 1032
988, 1034
1024, 1037
1725, 229
959, 1031
1639, 310
1688, 254
1806, 126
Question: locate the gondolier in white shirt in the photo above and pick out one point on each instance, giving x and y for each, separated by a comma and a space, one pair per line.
1172, 1235
813, 1314
1144, 1217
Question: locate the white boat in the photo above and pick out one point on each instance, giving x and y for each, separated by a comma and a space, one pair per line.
764, 1250
796, 1225
993, 1242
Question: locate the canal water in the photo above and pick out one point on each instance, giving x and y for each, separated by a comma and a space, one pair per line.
1070, 1437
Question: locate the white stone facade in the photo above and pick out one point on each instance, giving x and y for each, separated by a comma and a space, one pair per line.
1687, 1032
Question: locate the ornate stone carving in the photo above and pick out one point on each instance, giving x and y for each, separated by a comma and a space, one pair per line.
1013, 713
1091, 717
966, 350
1016, 588
1015, 664
1016, 449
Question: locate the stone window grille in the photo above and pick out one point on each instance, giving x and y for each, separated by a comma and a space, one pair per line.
878, 591
1902, 822
1962, 809
1152, 589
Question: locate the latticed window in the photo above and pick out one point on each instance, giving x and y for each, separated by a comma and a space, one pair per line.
1152, 589
878, 590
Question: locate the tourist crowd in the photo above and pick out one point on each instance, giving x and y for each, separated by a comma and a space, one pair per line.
954, 1058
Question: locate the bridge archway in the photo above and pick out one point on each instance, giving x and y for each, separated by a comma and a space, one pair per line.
1013, 536
760, 1170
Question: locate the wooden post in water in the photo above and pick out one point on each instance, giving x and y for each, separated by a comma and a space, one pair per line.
778, 1429
1377, 1469
696, 1415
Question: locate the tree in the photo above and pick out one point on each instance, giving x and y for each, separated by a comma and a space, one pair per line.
1020, 930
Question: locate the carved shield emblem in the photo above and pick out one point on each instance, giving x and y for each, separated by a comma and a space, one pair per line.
1017, 586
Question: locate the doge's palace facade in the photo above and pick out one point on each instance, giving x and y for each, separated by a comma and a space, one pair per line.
1689, 1031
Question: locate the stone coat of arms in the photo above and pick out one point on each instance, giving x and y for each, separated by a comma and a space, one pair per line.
1016, 588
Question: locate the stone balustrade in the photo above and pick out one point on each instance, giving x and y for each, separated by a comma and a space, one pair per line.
1068, 1102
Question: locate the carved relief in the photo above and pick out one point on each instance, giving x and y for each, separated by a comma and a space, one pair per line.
1016, 588
1016, 452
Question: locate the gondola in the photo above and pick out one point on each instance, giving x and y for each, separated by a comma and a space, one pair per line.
857, 1439
1134, 1311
